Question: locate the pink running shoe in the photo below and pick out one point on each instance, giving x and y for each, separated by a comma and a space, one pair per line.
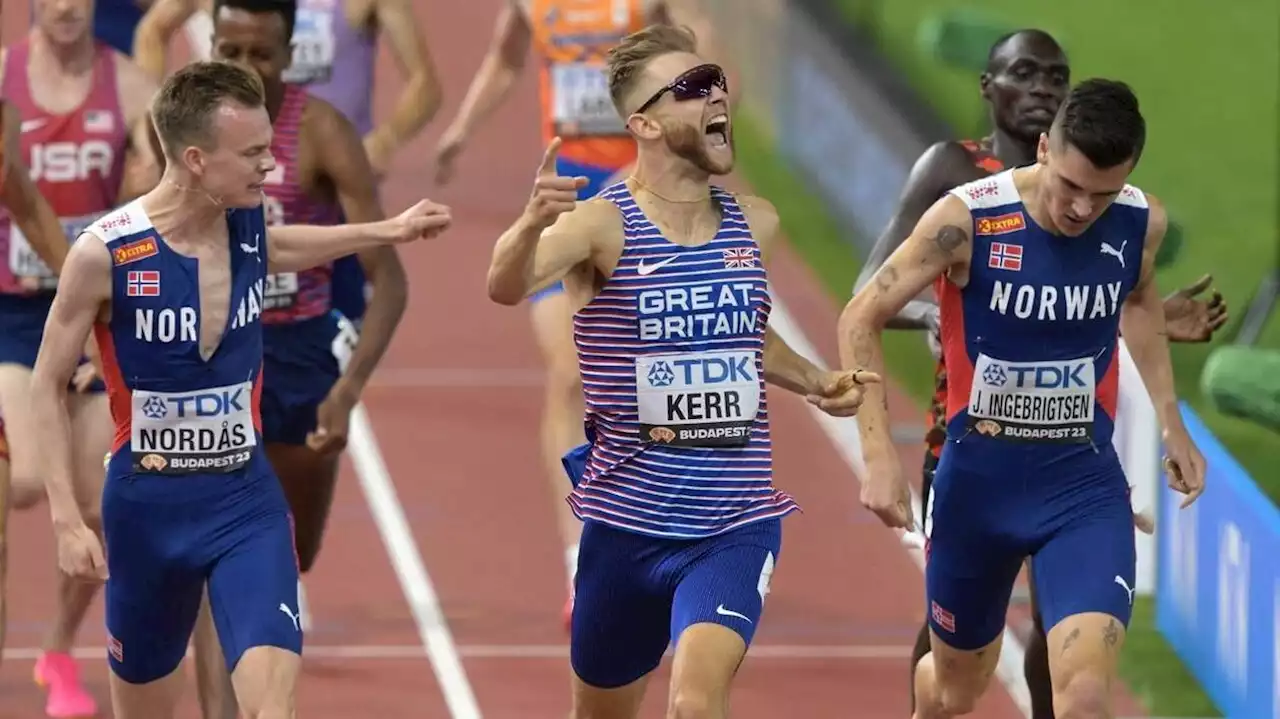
58, 675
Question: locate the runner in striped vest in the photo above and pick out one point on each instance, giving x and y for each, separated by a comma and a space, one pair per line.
682, 523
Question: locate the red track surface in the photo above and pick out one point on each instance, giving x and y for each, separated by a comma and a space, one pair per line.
455, 410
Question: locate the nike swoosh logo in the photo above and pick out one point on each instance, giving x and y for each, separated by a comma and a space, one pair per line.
728, 613
642, 269
31, 125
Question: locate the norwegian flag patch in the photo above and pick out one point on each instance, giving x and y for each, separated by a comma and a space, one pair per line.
143, 283
1005, 256
738, 258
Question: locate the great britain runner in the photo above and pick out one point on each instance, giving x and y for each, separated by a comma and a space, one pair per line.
172, 287
682, 523
1037, 271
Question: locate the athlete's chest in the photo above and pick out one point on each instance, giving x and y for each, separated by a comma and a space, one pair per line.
582, 29
189, 306
1026, 275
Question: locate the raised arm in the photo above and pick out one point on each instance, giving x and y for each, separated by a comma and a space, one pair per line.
420, 96
82, 297
158, 24
941, 243
553, 235
928, 180
491, 86
291, 248
345, 163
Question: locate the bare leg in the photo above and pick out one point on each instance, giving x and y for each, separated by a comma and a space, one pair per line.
153, 700
1084, 650
949, 681
214, 690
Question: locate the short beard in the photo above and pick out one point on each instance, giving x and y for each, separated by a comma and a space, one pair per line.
690, 143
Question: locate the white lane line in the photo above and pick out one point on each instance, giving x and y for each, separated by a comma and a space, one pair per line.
781, 652
388, 514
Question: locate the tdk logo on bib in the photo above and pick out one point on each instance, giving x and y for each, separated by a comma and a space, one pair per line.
207, 404
698, 399
704, 370
1033, 401
1040, 376
187, 432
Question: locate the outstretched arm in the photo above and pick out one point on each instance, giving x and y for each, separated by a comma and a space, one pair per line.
939, 244
83, 293
297, 247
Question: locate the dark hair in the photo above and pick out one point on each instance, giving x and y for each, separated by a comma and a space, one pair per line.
287, 9
187, 100
625, 63
993, 55
1100, 118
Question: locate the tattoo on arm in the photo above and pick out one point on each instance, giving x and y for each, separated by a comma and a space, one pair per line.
886, 277
949, 237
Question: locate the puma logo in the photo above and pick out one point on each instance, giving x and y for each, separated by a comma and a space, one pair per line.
297, 623
1107, 249
249, 249
1125, 586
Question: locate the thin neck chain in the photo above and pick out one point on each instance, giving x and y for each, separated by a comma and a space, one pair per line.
664, 198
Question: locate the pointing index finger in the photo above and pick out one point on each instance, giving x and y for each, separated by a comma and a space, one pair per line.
548, 166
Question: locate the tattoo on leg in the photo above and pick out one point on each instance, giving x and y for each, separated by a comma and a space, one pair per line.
1071, 639
950, 237
1111, 635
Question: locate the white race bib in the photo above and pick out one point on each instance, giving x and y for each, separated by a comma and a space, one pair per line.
281, 291
698, 399
1033, 401
313, 47
26, 265
580, 102
204, 431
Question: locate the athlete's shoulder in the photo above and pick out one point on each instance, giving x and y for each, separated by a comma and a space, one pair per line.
1132, 196
760, 213
997, 190
123, 223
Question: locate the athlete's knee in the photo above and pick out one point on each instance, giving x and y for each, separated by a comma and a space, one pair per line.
695, 703
1085, 694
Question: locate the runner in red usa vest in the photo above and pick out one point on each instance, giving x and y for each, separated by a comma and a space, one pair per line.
1037, 270
172, 287
82, 106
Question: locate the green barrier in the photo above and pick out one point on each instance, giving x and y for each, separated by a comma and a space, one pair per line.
1171, 247
960, 39
1244, 382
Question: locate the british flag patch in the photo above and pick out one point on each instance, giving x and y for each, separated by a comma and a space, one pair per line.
143, 283
739, 258
1005, 256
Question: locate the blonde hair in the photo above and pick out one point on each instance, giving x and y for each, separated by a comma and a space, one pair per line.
186, 102
626, 62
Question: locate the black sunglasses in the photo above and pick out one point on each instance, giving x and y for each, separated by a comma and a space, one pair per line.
692, 84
